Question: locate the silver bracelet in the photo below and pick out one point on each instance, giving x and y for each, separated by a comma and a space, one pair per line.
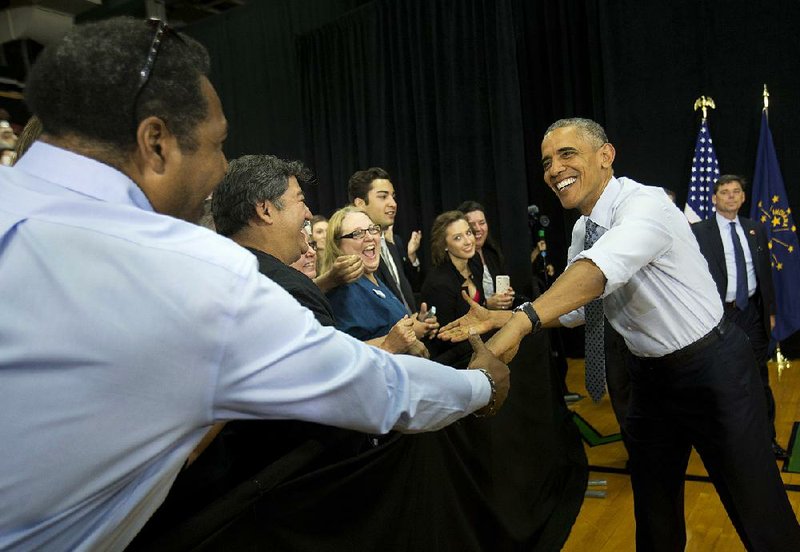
490, 408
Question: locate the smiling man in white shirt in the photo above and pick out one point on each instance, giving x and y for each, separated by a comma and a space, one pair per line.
695, 383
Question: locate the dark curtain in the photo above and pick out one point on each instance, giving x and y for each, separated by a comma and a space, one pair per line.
560, 75
429, 91
726, 50
255, 72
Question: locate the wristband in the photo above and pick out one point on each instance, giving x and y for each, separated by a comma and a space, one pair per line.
489, 409
527, 308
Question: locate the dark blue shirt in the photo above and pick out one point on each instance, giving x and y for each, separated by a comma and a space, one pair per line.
365, 310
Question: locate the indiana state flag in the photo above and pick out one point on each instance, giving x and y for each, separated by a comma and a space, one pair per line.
705, 171
771, 206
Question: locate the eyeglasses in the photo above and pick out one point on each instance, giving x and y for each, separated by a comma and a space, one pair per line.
144, 75
374, 230
313, 245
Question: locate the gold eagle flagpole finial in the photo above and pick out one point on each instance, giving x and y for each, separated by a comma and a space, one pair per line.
704, 102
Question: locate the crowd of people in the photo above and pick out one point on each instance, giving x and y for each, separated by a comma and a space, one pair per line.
134, 338
130, 331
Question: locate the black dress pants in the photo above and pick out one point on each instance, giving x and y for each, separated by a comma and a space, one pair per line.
707, 396
752, 324
619, 364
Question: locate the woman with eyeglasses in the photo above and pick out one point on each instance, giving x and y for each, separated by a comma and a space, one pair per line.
366, 308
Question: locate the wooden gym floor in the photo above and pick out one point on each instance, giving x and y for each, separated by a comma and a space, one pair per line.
607, 525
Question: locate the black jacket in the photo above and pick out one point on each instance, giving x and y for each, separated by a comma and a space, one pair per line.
442, 289
710, 241
385, 275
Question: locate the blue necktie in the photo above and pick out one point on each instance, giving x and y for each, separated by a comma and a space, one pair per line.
741, 270
595, 345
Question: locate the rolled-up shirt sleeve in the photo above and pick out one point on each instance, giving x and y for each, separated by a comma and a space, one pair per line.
572, 319
277, 362
638, 235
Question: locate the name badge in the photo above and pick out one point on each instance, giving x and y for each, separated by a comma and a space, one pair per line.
379, 293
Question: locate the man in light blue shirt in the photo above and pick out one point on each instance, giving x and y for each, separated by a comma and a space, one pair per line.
126, 332
695, 383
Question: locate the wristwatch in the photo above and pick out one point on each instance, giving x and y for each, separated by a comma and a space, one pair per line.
527, 308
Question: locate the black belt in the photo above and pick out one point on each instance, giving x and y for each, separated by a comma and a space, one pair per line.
716, 333
731, 305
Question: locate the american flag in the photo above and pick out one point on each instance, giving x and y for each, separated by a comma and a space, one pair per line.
705, 171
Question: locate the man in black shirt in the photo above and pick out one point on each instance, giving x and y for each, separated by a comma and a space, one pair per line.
260, 206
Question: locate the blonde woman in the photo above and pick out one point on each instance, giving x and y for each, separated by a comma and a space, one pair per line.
366, 308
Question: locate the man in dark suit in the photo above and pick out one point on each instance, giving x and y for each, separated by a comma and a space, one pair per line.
738, 259
372, 191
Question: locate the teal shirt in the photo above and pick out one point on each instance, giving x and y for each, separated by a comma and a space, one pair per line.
364, 310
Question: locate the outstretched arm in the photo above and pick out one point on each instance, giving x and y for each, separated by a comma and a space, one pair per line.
478, 320
578, 285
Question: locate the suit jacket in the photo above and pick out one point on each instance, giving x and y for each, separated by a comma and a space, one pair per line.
710, 241
442, 289
385, 275
415, 274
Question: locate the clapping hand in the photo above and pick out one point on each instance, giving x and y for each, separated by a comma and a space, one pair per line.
414, 242
347, 269
400, 337
424, 325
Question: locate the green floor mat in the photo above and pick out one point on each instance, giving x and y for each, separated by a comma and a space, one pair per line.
792, 465
591, 435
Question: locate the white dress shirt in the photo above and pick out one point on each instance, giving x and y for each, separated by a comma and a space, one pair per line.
124, 334
487, 283
659, 294
730, 257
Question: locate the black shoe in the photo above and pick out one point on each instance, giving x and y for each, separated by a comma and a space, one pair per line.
779, 452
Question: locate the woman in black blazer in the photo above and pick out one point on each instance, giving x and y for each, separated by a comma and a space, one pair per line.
452, 247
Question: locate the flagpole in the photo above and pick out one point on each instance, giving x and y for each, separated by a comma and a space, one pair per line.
781, 361
705, 168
